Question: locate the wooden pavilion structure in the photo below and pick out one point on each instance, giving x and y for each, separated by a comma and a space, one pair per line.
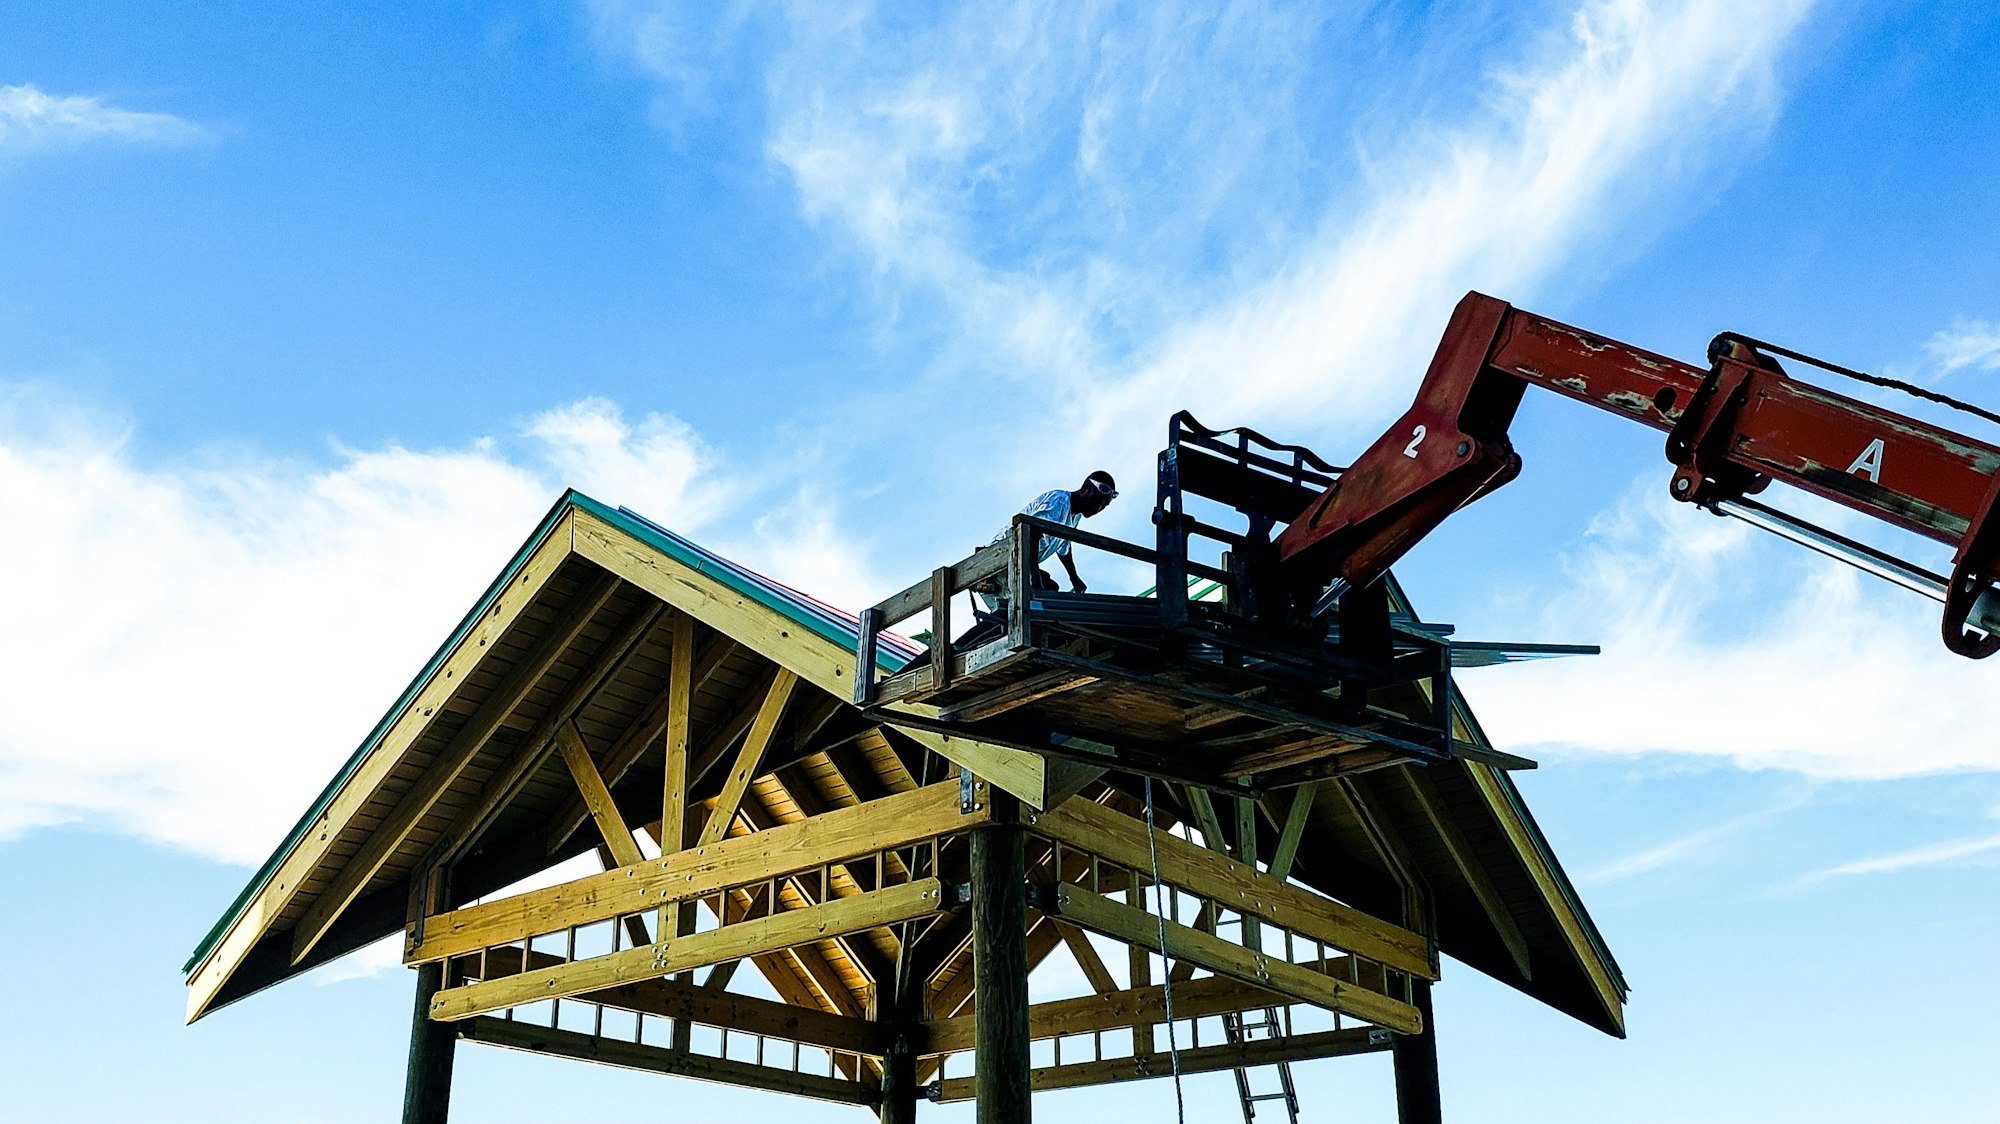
622, 693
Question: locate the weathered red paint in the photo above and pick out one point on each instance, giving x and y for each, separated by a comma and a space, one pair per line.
1732, 429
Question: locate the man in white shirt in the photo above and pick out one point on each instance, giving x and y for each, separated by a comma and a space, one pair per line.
1068, 508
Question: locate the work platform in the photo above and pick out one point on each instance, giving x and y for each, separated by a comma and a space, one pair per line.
1244, 686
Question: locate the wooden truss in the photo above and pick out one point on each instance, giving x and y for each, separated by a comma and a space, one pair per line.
867, 919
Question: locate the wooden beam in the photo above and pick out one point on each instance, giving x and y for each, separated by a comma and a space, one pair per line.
502, 788
247, 927
906, 902
387, 836
603, 809
1466, 861
1123, 840
658, 1059
637, 741
1116, 1010
1087, 959
755, 742
1289, 837
1121, 922
712, 1006
1206, 820
1498, 790
819, 661
635, 926
894, 821
1206, 1059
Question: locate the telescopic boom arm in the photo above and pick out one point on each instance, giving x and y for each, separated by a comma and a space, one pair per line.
1731, 430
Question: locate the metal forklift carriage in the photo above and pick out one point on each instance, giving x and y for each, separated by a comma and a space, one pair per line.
1225, 678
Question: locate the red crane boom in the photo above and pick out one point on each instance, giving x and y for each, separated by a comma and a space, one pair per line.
1731, 430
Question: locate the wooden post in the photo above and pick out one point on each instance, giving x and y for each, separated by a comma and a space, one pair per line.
1416, 1058
897, 1005
1000, 966
427, 1087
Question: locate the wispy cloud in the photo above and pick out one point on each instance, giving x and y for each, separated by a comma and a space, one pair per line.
1935, 854
33, 120
1967, 343
1721, 642
209, 639
1684, 848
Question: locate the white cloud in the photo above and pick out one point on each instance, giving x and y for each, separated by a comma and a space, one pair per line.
1125, 214
1722, 642
31, 119
1967, 343
1934, 854
193, 648
1683, 848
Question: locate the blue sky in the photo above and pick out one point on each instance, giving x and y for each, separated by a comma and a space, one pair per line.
305, 318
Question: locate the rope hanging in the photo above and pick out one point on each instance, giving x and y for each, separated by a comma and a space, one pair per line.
1160, 915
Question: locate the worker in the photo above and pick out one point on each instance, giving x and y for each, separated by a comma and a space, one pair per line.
1069, 508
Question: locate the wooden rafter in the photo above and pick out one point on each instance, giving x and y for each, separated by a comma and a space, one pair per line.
1466, 861
824, 664
769, 711
1087, 959
501, 789
637, 740
603, 809
389, 835
248, 926
1294, 831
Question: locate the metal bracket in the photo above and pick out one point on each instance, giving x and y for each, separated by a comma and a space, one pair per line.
1042, 897
968, 802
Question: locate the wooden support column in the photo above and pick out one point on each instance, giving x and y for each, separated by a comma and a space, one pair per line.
427, 1086
1000, 965
1416, 1058
898, 1006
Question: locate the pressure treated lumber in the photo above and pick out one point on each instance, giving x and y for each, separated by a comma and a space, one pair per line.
818, 661
1061, 1018
1122, 839
769, 710
657, 1059
389, 835
1184, 942
617, 837
846, 833
1205, 1059
354, 793
502, 788
712, 1006
695, 950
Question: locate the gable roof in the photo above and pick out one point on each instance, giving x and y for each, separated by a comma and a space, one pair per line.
572, 625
